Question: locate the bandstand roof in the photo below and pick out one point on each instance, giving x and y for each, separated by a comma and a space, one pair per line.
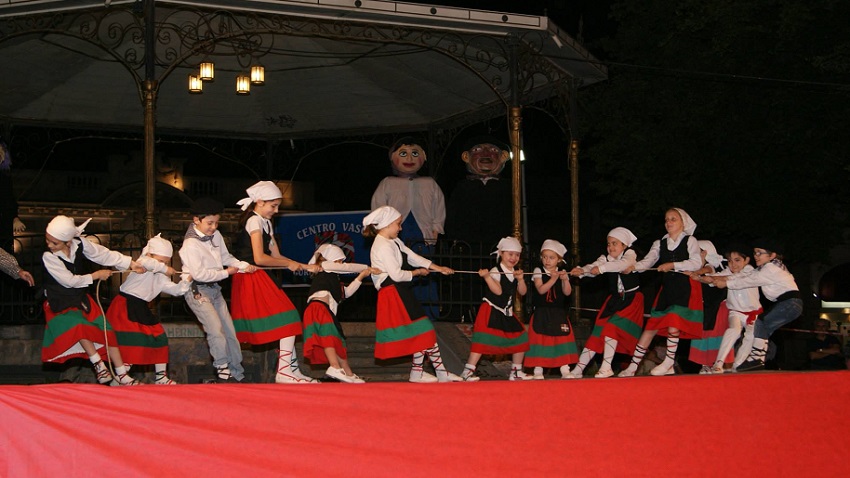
332, 67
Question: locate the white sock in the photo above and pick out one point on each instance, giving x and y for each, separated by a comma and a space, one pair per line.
584, 359
730, 336
636, 358
538, 370
468, 370
608, 354
284, 356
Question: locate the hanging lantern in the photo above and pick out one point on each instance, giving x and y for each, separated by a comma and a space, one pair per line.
207, 71
195, 84
258, 75
243, 85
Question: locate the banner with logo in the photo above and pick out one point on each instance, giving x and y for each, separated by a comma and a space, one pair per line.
300, 234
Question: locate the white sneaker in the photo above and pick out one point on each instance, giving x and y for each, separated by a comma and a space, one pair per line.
470, 377
705, 370
448, 377
421, 376
664, 368
517, 374
296, 372
339, 374
165, 381
717, 370
286, 378
627, 372
538, 373
604, 373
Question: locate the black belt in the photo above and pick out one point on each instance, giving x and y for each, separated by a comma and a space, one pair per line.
791, 294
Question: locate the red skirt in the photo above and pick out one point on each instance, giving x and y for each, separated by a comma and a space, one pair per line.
624, 325
65, 329
550, 350
688, 319
261, 311
139, 343
320, 332
489, 341
397, 333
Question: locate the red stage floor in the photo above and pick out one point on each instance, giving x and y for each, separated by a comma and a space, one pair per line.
758, 424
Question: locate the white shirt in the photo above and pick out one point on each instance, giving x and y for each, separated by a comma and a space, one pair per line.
420, 195
693, 263
773, 280
149, 285
53, 262
741, 300
386, 256
205, 262
606, 263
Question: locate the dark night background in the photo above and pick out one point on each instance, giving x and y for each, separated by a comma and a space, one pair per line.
733, 110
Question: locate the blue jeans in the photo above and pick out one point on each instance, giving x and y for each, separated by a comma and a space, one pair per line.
211, 311
781, 314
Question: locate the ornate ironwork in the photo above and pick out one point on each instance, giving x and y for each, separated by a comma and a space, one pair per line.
185, 36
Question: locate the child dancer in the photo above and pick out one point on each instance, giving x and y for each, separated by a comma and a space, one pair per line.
402, 326
551, 339
262, 312
142, 339
715, 314
677, 311
496, 330
743, 306
619, 322
76, 327
206, 259
777, 285
324, 341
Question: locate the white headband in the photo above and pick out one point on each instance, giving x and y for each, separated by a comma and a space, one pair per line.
623, 235
555, 247
508, 244
64, 229
689, 225
711, 256
262, 191
381, 217
330, 252
158, 246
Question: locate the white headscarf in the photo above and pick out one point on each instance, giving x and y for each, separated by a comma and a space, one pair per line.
623, 235
330, 252
554, 246
158, 246
711, 256
689, 225
508, 244
381, 217
64, 229
262, 191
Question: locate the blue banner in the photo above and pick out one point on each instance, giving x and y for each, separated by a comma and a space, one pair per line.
300, 235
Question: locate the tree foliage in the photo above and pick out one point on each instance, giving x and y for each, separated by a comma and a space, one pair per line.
736, 111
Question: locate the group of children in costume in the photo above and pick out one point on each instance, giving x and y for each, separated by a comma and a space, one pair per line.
261, 313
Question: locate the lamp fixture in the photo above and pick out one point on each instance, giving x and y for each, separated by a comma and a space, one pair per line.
207, 71
258, 75
243, 84
195, 84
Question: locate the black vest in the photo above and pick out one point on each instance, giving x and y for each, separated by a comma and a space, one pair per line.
59, 297
554, 297
244, 251
630, 281
327, 281
508, 290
